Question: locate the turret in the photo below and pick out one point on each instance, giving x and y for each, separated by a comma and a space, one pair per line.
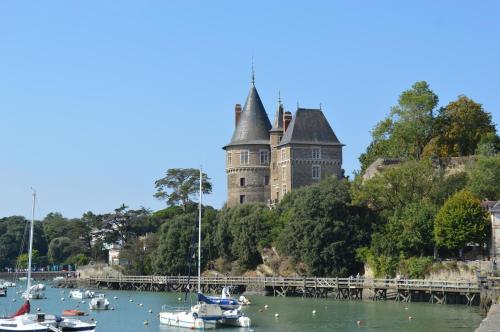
248, 153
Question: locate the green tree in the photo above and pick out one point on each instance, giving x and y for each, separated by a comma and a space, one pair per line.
461, 126
78, 260
179, 186
22, 260
60, 249
123, 224
14, 235
242, 232
411, 230
140, 254
460, 221
324, 229
407, 130
484, 177
396, 187
176, 238
78, 230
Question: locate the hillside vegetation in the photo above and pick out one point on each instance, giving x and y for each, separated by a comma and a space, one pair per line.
399, 221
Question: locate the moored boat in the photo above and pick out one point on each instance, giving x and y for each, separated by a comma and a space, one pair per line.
23, 321
99, 302
234, 317
204, 315
80, 294
35, 292
72, 312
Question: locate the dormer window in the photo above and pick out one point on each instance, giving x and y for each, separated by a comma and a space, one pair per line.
316, 153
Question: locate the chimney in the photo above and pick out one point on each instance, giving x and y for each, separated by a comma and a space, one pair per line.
237, 114
287, 117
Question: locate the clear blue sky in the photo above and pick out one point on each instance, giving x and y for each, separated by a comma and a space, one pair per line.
99, 98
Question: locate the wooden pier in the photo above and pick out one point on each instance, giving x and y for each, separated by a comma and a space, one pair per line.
37, 275
432, 291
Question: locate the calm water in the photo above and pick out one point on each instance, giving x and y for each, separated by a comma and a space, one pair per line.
295, 314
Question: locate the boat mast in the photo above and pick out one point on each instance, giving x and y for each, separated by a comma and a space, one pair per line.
28, 284
199, 233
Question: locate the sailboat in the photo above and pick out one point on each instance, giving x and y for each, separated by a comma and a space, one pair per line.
202, 315
23, 321
206, 314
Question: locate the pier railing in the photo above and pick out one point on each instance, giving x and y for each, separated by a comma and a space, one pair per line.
303, 282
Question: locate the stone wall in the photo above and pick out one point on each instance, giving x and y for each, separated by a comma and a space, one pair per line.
254, 174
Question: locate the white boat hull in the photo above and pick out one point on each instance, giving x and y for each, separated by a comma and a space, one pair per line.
80, 295
240, 321
234, 318
99, 303
36, 296
22, 323
186, 319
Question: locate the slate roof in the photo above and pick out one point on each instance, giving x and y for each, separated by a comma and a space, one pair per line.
278, 119
253, 126
309, 126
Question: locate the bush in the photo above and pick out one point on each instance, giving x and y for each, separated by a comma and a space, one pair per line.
415, 267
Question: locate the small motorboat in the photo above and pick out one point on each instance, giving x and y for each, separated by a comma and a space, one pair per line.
234, 317
7, 283
79, 294
35, 292
201, 316
3, 291
72, 312
72, 324
99, 302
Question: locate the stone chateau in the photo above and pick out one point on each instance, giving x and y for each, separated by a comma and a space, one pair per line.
264, 162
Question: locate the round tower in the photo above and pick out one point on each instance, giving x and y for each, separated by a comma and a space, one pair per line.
248, 153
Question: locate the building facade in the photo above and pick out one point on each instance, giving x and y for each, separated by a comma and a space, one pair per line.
264, 162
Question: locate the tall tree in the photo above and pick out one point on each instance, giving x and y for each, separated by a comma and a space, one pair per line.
179, 186
325, 229
174, 242
460, 127
243, 231
123, 224
484, 177
394, 188
60, 249
460, 221
14, 239
407, 129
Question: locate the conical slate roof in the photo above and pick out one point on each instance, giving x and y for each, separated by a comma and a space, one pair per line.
309, 126
253, 126
278, 119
